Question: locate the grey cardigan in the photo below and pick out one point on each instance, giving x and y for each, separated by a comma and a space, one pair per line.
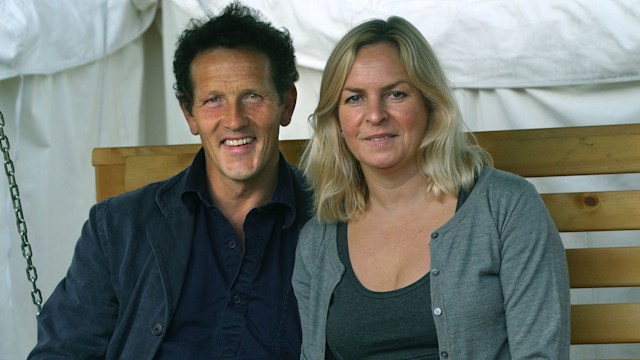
499, 282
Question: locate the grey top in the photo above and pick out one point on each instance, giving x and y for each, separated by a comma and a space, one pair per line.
499, 281
398, 322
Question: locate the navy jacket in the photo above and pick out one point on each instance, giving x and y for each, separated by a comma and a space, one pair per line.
125, 278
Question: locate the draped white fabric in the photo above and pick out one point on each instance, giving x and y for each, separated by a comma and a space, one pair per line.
44, 37
483, 44
76, 75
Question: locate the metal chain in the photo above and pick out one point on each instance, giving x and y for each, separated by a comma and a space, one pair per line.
32, 274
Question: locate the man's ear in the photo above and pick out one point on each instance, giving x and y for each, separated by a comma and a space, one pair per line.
289, 105
191, 121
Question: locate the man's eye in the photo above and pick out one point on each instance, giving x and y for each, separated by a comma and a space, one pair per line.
253, 97
214, 102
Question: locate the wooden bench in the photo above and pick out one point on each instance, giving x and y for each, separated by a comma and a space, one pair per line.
593, 150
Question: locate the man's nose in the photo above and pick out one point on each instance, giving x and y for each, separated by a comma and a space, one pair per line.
236, 116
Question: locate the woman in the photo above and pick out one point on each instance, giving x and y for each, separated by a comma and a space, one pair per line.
419, 249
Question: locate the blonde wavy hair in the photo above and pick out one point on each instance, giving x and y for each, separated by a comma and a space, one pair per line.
447, 157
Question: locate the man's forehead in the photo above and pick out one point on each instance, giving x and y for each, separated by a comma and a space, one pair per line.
231, 66
234, 56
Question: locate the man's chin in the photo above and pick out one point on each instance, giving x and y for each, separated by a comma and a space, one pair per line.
242, 173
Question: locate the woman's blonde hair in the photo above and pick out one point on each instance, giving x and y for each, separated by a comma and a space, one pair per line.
446, 157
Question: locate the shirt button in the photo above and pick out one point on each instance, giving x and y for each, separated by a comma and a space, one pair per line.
236, 299
434, 235
444, 354
435, 272
156, 329
232, 244
437, 311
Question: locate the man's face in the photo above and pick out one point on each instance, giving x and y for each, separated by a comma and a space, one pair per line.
237, 113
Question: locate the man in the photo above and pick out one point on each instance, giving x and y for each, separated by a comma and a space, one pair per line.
198, 266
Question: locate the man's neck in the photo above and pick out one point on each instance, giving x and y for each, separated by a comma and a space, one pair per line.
235, 199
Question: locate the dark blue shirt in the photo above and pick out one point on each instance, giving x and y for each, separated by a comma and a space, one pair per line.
237, 302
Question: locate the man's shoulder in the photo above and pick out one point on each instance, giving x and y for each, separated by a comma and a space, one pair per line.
299, 181
303, 193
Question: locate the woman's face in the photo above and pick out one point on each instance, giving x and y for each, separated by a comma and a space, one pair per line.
382, 115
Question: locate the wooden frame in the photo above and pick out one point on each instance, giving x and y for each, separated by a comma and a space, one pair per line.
589, 150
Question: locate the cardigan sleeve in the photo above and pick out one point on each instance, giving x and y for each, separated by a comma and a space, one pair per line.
316, 273
534, 279
301, 280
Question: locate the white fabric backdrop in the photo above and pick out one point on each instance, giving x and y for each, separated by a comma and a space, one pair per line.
71, 79
74, 76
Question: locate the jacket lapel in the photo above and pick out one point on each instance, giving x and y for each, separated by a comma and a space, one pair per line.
170, 237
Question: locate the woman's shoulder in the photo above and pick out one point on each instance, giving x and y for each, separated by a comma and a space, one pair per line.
502, 189
500, 181
315, 234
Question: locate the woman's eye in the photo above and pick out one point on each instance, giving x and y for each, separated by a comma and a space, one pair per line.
353, 99
395, 95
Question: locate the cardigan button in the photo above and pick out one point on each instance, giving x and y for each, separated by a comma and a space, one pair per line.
444, 354
437, 311
434, 235
435, 272
156, 329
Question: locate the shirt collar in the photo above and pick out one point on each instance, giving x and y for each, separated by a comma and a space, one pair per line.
196, 188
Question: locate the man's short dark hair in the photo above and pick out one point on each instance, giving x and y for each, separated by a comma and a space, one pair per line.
236, 27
